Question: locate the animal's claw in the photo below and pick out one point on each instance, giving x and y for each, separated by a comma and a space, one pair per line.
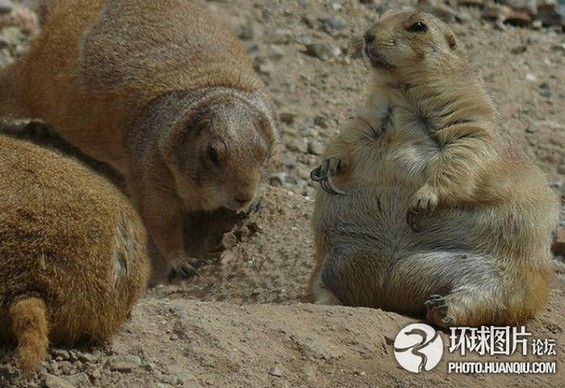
323, 175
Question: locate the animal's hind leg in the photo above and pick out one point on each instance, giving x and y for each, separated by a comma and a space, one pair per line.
319, 293
466, 307
352, 276
495, 302
29, 324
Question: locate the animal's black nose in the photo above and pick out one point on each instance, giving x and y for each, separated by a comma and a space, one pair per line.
369, 37
242, 199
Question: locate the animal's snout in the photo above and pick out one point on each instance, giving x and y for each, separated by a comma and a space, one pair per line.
369, 37
243, 199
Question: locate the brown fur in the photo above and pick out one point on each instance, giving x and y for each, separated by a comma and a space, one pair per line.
427, 148
162, 92
72, 252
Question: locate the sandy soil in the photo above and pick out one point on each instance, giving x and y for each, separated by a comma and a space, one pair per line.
245, 321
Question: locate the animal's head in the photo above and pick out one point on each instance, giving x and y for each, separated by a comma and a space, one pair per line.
402, 43
222, 150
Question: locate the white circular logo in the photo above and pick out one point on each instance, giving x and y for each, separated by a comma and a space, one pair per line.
418, 348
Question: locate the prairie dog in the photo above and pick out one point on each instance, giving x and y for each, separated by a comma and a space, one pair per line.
159, 90
427, 148
73, 257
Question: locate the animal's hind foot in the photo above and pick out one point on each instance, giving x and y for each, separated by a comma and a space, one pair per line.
438, 311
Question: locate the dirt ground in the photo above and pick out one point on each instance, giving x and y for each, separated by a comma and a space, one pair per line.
245, 321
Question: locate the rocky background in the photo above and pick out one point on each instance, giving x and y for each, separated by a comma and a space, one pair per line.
243, 321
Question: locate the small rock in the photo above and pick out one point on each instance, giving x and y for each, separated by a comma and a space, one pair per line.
87, 357
530, 77
315, 148
56, 382
519, 49
6, 6
322, 51
149, 367
79, 380
229, 240
333, 25
275, 372
550, 15
297, 145
280, 36
309, 21
545, 90
64, 354
275, 52
124, 363
287, 117
288, 161
66, 367
321, 122
247, 32
537, 24
278, 179
96, 374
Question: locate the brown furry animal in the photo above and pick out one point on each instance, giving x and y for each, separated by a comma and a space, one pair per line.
72, 252
159, 90
427, 148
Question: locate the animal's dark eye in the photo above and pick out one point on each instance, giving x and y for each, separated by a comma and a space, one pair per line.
418, 27
213, 155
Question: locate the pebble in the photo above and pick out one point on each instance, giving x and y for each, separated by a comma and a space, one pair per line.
79, 380
297, 145
287, 117
333, 25
62, 353
321, 122
275, 52
124, 363
275, 372
288, 161
247, 32
322, 51
280, 36
56, 382
6, 6
315, 148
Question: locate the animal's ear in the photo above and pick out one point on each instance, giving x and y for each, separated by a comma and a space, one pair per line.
202, 124
451, 41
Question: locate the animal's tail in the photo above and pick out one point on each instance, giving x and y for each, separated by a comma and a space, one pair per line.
29, 324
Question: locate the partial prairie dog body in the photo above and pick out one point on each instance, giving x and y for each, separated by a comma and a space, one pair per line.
444, 215
159, 90
73, 256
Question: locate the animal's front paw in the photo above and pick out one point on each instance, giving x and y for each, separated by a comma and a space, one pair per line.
424, 203
184, 267
438, 311
323, 174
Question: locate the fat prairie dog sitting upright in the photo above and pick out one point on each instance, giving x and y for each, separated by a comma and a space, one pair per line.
426, 148
159, 90
73, 257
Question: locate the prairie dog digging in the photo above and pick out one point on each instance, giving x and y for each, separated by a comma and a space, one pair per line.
161, 91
